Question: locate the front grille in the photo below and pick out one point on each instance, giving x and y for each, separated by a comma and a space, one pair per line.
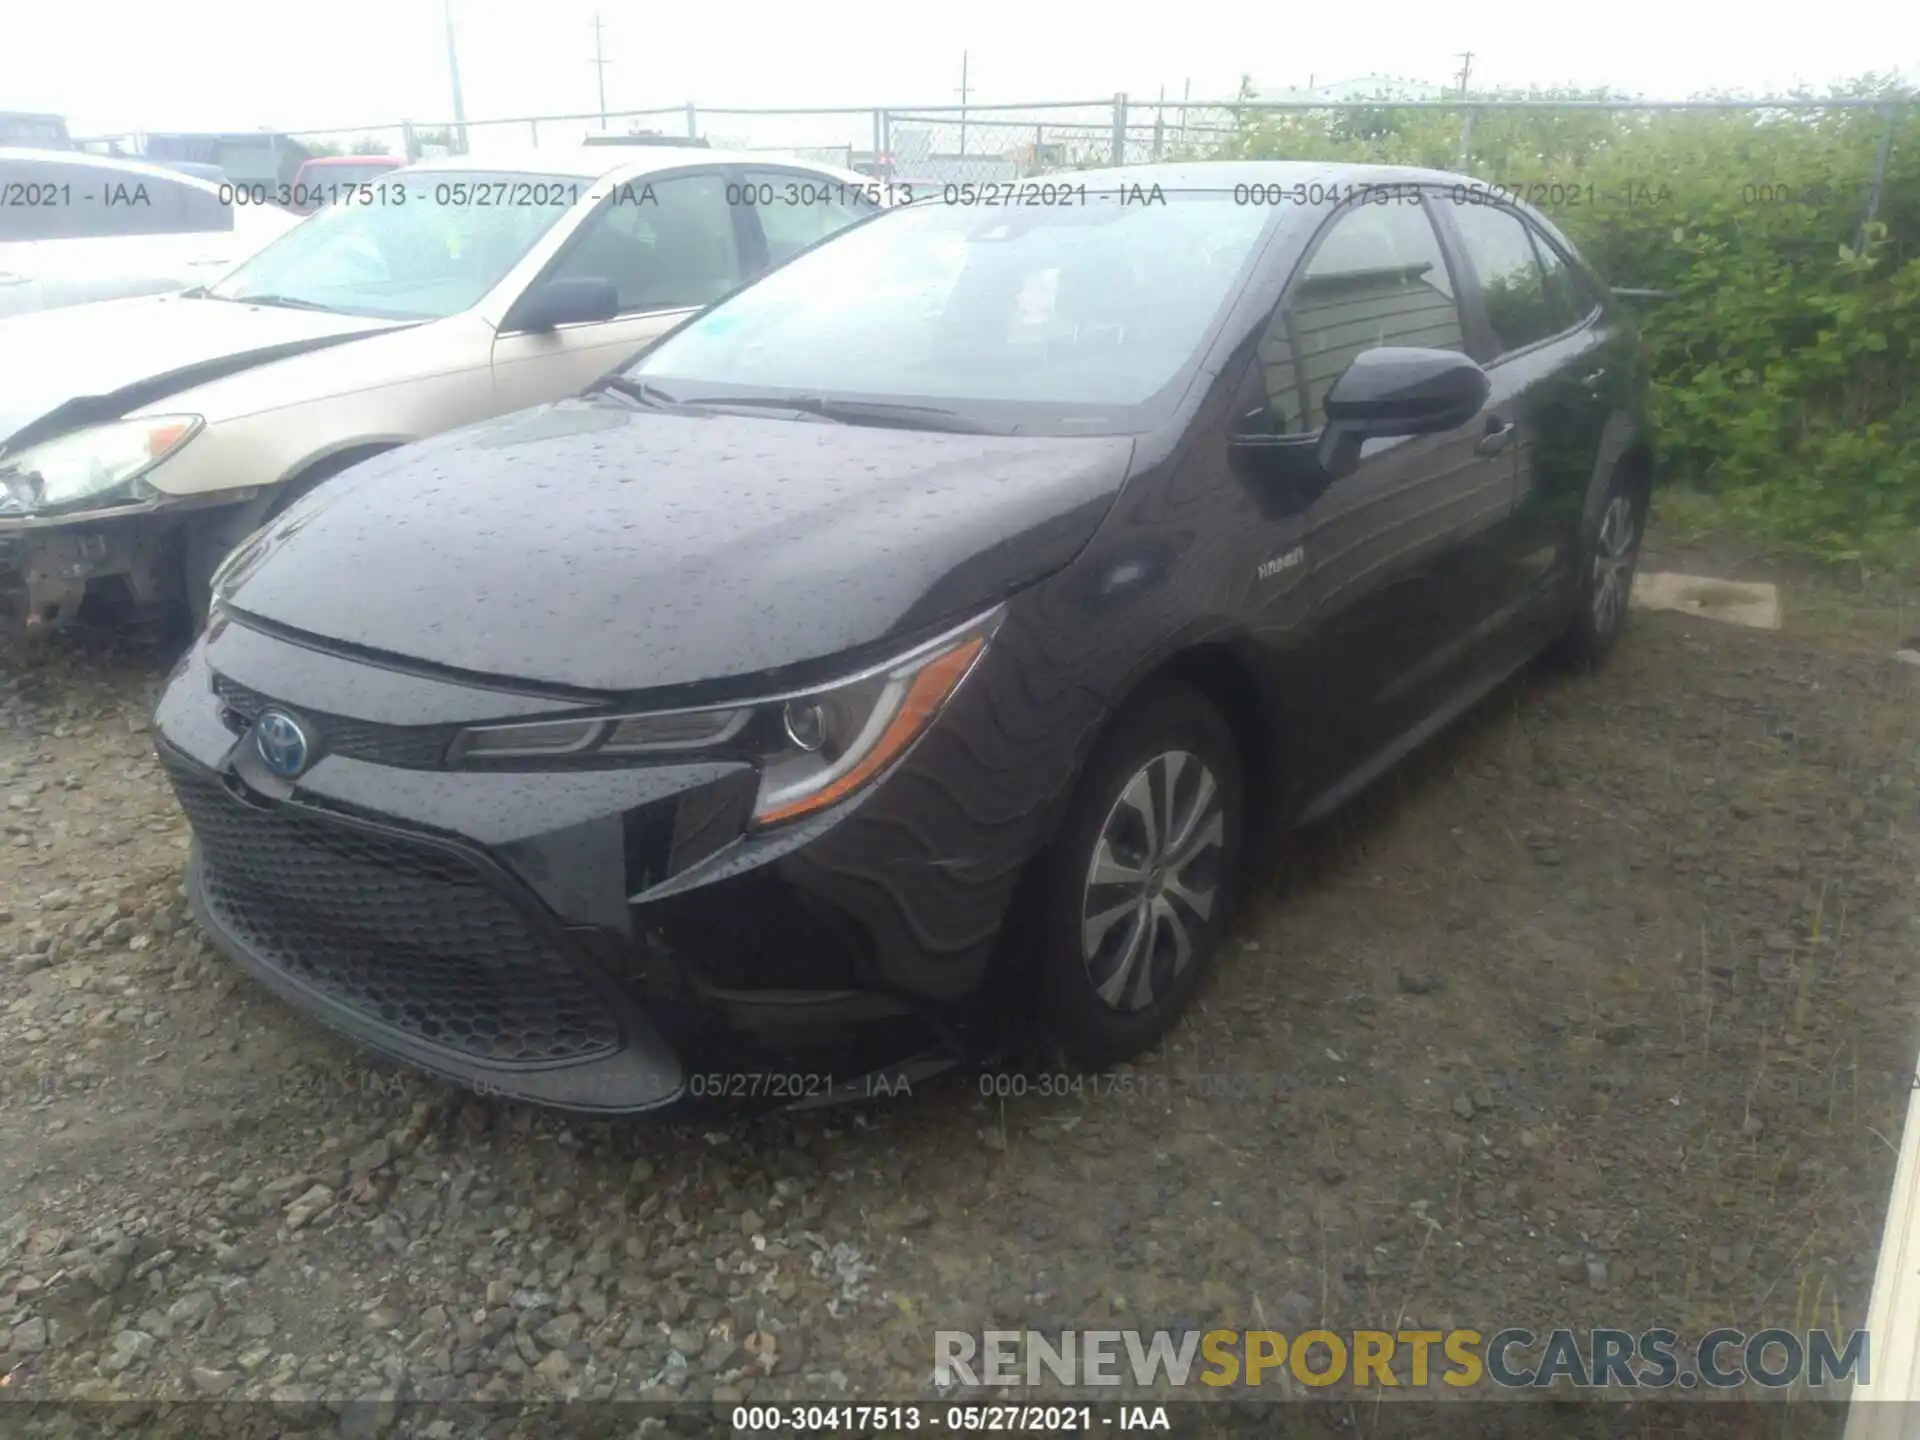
407, 934
414, 747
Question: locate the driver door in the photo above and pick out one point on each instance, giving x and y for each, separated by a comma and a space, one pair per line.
1391, 554
669, 245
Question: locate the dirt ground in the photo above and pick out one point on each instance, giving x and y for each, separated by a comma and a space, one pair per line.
1599, 1012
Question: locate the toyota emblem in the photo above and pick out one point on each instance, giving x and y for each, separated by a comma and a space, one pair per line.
281, 742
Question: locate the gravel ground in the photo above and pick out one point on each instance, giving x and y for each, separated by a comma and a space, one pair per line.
1595, 1014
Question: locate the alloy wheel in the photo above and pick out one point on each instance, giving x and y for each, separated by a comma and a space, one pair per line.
1614, 553
1153, 881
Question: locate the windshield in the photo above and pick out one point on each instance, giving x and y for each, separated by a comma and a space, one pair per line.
1062, 319
413, 246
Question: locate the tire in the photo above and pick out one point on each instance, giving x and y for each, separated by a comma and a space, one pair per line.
1608, 556
1099, 1006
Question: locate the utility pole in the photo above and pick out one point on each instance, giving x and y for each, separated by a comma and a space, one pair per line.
1466, 116
963, 102
453, 74
599, 62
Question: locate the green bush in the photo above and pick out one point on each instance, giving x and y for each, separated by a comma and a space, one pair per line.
1785, 366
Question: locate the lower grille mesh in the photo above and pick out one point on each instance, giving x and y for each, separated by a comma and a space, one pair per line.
407, 935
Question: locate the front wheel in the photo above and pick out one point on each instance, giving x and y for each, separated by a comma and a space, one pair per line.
1606, 578
1143, 879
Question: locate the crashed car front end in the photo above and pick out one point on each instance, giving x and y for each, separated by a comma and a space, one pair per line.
77, 510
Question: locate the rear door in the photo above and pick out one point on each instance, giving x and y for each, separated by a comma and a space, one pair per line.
669, 244
1535, 332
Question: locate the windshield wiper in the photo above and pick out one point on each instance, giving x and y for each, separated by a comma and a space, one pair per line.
641, 390
285, 302
887, 413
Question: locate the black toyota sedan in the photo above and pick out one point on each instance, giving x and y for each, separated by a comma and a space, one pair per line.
909, 649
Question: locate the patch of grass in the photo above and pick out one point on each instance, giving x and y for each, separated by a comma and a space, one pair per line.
1685, 516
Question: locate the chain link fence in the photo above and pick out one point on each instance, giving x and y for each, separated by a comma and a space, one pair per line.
942, 144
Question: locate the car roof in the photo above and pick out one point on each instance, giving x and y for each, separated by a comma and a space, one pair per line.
1335, 177
133, 167
353, 160
618, 162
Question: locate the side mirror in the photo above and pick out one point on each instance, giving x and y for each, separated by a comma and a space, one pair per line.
1393, 391
565, 302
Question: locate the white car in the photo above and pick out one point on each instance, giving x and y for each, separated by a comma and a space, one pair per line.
77, 227
141, 439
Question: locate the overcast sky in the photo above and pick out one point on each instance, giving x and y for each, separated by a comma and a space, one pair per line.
206, 64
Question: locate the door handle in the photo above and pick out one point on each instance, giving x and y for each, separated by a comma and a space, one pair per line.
1592, 382
1499, 432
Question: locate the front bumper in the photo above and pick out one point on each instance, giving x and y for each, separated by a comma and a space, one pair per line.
49, 563
605, 940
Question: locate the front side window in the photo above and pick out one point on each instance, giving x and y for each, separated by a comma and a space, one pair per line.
423, 246
797, 210
1378, 277
1062, 319
1500, 249
666, 244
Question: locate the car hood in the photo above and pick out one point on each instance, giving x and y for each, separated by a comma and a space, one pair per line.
587, 545
81, 364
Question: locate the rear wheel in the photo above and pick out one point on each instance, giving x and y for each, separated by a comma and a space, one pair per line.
1143, 879
1606, 577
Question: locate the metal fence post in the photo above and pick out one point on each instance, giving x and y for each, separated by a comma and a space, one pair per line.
1879, 184
534, 126
1466, 137
693, 121
409, 147
1159, 132
1120, 128
885, 158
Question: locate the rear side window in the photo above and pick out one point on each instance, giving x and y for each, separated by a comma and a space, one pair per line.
1499, 246
1377, 278
31, 199
1566, 298
796, 209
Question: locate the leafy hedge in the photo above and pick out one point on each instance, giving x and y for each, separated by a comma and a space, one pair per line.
1786, 366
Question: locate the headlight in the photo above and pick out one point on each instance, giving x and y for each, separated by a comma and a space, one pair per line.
104, 462
814, 748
